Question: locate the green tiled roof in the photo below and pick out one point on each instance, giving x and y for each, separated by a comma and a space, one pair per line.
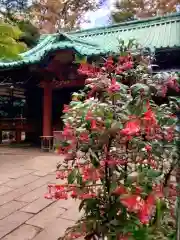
157, 32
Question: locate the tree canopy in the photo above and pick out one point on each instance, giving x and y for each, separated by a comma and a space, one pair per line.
10, 45
131, 9
48, 16
53, 15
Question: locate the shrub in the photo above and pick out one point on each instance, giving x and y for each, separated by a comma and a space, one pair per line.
120, 152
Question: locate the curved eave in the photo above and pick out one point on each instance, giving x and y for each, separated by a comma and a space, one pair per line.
49, 45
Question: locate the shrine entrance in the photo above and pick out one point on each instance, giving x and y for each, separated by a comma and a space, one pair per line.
32, 99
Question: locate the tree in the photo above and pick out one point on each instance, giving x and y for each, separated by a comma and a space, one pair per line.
16, 12
53, 15
10, 46
128, 10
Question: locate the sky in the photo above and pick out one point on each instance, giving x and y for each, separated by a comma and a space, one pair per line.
99, 17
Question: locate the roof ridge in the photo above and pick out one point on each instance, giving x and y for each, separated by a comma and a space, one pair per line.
164, 18
38, 47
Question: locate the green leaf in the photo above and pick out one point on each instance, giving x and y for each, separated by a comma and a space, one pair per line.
94, 159
107, 123
138, 87
72, 176
151, 173
140, 234
81, 205
79, 179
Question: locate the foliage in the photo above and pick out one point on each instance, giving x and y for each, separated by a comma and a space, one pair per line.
128, 10
53, 15
10, 47
16, 12
120, 153
30, 33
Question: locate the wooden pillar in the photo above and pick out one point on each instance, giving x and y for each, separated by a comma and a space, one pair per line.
0, 136
18, 136
47, 110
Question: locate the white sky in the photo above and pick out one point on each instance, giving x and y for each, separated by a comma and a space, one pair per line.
99, 17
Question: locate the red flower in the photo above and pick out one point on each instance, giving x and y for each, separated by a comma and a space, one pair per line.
131, 128
60, 195
114, 86
113, 81
138, 190
121, 59
74, 194
67, 132
66, 108
143, 208
84, 137
93, 125
172, 83
75, 235
86, 69
150, 117
119, 70
48, 196
60, 175
158, 191
90, 174
147, 209
144, 214
132, 202
89, 116
164, 91
109, 64
120, 190
87, 196
148, 148
127, 65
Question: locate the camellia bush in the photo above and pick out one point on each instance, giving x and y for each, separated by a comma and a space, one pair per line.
120, 152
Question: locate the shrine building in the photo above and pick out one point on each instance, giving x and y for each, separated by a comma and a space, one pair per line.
34, 89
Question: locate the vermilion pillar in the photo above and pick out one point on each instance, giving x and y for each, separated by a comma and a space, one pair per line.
47, 110
18, 136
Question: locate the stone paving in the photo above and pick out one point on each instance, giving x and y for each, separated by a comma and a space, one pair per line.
24, 213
